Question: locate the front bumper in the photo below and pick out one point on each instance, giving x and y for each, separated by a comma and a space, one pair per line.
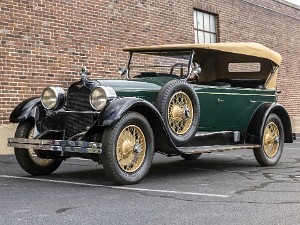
56, 145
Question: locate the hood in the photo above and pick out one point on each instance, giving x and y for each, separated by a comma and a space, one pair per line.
140, 84
146, 88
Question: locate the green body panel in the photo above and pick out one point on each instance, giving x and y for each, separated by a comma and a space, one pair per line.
221, 108
146, 88
240, 104
225, 108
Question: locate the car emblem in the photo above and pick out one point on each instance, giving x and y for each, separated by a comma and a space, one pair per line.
79, 86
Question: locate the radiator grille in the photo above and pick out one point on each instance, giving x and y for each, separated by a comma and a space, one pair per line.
78, 100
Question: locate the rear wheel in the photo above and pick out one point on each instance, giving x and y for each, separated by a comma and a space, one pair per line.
128, 148
271, 147
28, 159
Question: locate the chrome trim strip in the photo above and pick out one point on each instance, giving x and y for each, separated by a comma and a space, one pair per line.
222, 93
79, 112
56, 145
216, 148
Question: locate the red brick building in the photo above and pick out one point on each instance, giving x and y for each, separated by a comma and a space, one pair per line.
46, 42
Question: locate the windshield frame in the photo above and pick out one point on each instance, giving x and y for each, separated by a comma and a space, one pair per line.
189, 67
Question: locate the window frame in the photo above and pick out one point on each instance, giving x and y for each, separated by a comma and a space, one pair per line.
212, 32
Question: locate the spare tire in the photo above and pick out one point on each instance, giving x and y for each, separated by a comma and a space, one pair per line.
179, 106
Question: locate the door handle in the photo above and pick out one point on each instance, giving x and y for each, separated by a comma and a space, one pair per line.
220, 100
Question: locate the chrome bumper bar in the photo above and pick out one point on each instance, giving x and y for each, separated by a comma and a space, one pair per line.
56, 145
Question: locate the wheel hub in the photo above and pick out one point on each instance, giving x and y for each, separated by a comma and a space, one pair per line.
127, 147
177, 112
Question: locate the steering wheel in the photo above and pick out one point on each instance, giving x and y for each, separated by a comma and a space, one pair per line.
178, 65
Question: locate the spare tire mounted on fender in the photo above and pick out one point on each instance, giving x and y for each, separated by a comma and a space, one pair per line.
179, 106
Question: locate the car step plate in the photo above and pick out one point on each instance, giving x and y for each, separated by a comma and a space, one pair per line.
215, 148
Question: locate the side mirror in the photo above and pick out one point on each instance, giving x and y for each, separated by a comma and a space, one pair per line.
122, 71
196, 70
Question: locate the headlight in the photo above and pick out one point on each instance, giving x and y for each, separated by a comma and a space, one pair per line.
100, 95
53, 97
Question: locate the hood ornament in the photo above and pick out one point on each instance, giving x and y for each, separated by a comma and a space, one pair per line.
84, 73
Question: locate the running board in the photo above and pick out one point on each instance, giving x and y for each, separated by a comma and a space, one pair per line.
215, 148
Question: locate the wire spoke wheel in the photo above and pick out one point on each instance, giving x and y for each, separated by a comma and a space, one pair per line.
180, 113
128, 148
29, 159
34, 157
178, 104
271, 139
131, 148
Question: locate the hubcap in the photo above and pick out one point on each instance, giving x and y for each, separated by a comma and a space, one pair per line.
180, 113
131, 148
271, 140
37, 160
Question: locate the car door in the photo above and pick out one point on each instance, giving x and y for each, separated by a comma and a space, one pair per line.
210, 113
237, 106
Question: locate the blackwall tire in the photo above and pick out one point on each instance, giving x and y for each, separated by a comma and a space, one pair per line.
191, 156
271, 146
128, 148
27, 158
179, 106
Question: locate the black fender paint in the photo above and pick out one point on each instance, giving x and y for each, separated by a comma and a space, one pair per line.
25, 110
118, 107
260, 116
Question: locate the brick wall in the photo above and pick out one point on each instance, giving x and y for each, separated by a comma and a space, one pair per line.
46, 42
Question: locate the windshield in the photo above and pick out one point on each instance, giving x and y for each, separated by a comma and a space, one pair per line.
162, 63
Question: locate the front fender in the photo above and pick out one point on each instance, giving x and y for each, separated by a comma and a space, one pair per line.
119, 107
113, 112
25, 110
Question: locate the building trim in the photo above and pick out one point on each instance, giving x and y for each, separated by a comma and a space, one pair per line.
206, 7
272, 10
288, 4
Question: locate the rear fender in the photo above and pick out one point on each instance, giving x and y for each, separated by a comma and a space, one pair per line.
256, 125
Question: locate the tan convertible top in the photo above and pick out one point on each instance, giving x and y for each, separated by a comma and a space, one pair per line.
215, 58
241, 48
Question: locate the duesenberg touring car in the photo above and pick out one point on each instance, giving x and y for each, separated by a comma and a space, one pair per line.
178, 100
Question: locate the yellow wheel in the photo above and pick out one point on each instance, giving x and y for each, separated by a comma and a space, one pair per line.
28, 159
131, 148
272, 142
32, 154
179, 107
128, 148
180, 113
271, 139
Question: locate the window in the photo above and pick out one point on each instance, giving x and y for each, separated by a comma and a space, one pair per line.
244, 67
204, 27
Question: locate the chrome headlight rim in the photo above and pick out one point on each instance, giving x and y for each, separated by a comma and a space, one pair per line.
58, 96
104, 92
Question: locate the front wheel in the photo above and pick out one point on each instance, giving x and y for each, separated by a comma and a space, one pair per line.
128, 148
28, 159
271, 146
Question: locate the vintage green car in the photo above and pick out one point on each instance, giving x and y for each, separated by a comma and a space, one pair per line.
178, 100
